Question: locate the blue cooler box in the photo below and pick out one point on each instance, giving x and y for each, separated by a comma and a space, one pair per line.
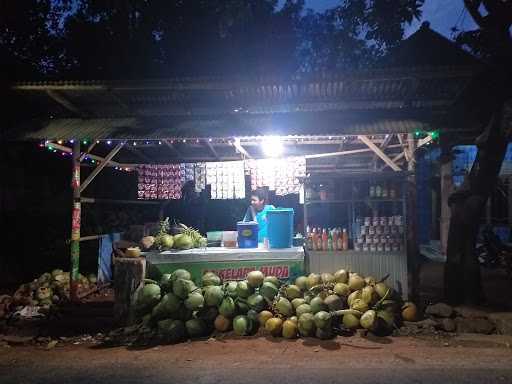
280, 228
247, 234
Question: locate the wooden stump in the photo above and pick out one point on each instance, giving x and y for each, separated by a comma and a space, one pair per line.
129, 276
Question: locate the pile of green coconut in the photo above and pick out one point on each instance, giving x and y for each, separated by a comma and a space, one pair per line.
323, 306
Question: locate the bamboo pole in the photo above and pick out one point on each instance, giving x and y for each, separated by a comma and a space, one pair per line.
75, 222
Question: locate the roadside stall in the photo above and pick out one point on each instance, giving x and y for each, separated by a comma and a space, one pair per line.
328, 141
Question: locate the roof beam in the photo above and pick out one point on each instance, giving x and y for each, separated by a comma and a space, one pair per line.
394, 159
379, 153
212, 149
100, 167
242, 150
60, 99
87, 152
63, 148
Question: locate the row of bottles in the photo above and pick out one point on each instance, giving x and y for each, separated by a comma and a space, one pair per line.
327, 239
382, 190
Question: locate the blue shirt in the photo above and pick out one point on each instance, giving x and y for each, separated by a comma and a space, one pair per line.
261, 218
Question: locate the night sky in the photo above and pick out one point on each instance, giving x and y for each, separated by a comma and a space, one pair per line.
441, 14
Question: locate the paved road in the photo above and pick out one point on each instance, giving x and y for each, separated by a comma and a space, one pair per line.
394, 360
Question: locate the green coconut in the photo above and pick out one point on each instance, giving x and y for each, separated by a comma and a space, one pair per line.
57, 272
194, 301
317, 305
274, 326
263, 316
166, 282
302, 282
255, 278
306, 324
388, 317
322, 320
222, 323
350, 321
355, 282
298, 302
284, 307
368, 320
183, 241
243, 289
293, 292
210, 278
268, 290
166, 240
148, 297
181, 274
354, 295
341, 276
290, 329
231, 289
168, 307
295, 319
242, 325
359, 305
334, 302
184, 313
242, 307
313, 280
196, 328
213, 295
256, 302
227, 307
182, 288
272, 279
327, 278
172, 331
303, 308
381, 289
341, 289
308, 296
369, 295
208, 314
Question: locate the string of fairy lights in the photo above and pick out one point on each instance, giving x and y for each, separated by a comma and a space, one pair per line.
61, 146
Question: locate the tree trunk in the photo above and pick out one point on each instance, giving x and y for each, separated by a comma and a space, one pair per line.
462, 270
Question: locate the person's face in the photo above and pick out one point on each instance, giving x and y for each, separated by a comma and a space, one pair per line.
256, 203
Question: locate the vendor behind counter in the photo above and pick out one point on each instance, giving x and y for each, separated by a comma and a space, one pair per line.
257, 211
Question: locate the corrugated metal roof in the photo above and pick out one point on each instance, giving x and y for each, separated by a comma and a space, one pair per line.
136, 128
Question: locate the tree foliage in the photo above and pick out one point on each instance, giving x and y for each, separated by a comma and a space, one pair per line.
161, 38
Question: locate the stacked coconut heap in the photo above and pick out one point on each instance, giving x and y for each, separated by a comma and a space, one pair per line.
317, 305
177, 236
48, 289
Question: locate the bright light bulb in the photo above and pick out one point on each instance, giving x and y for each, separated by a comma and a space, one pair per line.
272, 146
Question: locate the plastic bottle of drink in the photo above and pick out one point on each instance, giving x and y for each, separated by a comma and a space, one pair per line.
330, 240
335, 236
309, 244
319, 244
314, 237
325, 240
345, 239
340, 240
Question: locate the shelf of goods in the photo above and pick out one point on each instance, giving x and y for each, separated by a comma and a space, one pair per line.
372, 209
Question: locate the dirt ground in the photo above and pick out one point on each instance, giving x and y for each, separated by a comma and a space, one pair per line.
468, 359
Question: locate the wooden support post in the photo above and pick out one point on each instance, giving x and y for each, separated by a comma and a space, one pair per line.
446, 191
412, 226
129, 276
98, 169
379, 152
75, 222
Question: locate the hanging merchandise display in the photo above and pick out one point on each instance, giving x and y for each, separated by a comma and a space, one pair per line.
162, 181
280, 175
200, 176
227, 179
